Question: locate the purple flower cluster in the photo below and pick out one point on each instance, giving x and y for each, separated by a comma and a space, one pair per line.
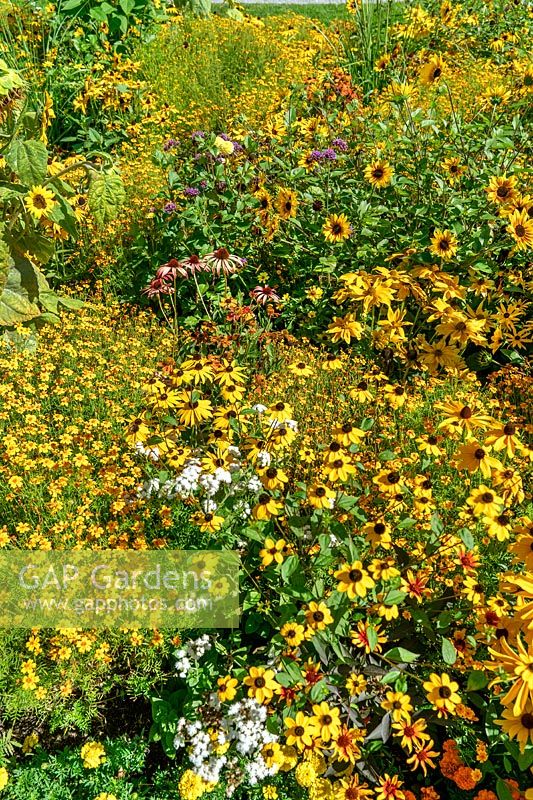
191, 191
169, 144
169, 208
340, 144
328, 154
197, 136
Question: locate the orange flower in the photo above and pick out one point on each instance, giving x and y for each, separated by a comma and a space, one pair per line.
465, 778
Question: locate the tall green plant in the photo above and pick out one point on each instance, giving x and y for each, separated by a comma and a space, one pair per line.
366, 42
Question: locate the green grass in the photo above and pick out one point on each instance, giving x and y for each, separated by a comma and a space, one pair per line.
325, 13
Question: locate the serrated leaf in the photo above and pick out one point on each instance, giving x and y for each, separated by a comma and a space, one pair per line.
28, 159
106, 196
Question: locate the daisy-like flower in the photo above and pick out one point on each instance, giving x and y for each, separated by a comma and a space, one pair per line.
327, 720
443, 244
379, 174
351, 789
266, 507
454, 169
318, 616
389, 788
344, 329
518, 726
501, 189
354, 580
301, 369
345, 745
413, 732
261, 684
485, 502
227, 688
208, 522
301, 730
40, 201
442, 693
320, 496
221, 261
336, 228
273, 552
432, 71
518, 664
462, 416
398, 705
264, 294
473, 457
287, 203
293, 633
192, 409
521, 229
423, 757
439, 355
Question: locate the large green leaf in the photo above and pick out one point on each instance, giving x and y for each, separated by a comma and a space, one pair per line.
29, 161
106, 196
15, 304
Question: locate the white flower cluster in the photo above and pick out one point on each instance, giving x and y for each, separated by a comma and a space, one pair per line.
192, 651
244, 727
148, 452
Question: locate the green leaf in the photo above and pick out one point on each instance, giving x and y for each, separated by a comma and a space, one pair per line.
467, 538
502, 790
15, 303
476, 680
289, 567
525, 760
106, 196
449, 653
401, 655
29, 161
372, 635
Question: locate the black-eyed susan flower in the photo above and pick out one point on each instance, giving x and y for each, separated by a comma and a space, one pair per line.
273, 552
443, 244
40, 201
412, 732
484, 501
518, 726
379, 174
301, 730
293, 633
337, 228
261, 684
320, 496
423, 757
354, 580
192, 409
266, 507
345, 329
442, 693
473, 457
208, 522
227, 688
398, 704
301, 369
432, 70
287, 203
327, 721
502, 189
318, 616
521, 229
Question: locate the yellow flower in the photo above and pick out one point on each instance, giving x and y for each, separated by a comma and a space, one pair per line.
4, 777
354, 580
227, 688
93, 755
336, 228
345, 329
518, 726
261, 684
398, 705
521, 229
432, 70
300, 730
379, 174
318, 616
40, 201
287, 203
442, 693
293, 633
443, 244
223, 146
